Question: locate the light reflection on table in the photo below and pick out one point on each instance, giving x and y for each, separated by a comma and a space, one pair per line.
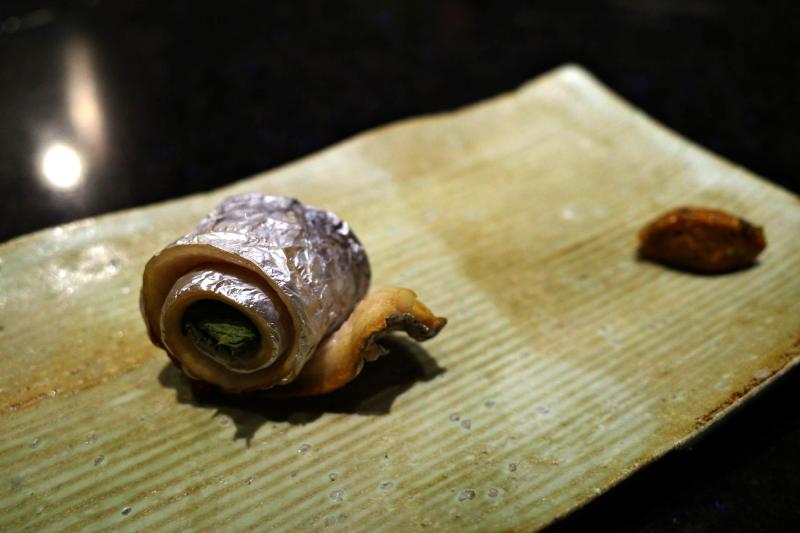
66, 159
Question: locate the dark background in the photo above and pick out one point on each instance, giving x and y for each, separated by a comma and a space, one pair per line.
165, 100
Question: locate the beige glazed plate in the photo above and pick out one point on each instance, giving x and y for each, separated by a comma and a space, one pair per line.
567, 364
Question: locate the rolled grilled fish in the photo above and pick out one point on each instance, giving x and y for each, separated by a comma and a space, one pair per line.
268, 292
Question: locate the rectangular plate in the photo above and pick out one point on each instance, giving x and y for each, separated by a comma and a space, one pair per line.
568, 363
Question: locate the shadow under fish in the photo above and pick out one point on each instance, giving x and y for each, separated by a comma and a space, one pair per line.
372, 393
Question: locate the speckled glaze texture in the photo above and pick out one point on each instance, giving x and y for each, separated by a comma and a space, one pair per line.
309, 256
568, 363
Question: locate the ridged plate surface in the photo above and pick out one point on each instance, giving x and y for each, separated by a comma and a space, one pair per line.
567, 364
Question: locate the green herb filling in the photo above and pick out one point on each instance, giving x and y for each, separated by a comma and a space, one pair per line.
220, 331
